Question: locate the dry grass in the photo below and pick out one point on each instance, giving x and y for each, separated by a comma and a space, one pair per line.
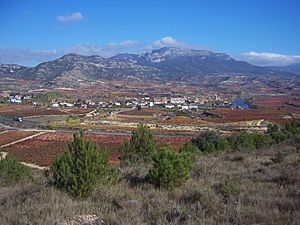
258, 187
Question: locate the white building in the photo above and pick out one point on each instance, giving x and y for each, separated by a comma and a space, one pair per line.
169, 106
185, 107
193, 107
177, 100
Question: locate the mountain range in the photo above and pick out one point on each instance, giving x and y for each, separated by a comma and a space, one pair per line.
164, 64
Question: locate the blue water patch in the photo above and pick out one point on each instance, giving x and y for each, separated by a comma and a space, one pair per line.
240, 103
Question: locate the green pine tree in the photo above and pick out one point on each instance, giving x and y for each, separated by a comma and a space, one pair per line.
140, 147
81, 167
170, 168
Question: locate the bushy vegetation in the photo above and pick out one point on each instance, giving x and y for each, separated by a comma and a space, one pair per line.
287, 132
170, 168
44, 99
209, 141
249, 141
81, 167
141, 146
12, 171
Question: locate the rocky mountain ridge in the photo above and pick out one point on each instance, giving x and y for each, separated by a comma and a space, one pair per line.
165, 64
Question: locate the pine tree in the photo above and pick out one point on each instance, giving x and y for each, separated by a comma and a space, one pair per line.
81, 167
170, 168
140, 147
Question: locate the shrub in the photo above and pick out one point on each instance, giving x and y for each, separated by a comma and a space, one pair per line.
223, 144
210, 142
81, 167
170, 168
189, 151
248, 141
209, 148
242, 141
261, 140
12, 171
282, 134
272, 128
189, 147
205, 139
292, 129
140, 147
127, 153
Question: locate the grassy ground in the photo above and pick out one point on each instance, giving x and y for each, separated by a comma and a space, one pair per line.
257, 187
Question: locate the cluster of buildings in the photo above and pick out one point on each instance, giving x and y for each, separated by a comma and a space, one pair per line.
183, 103
171, 102
15, 98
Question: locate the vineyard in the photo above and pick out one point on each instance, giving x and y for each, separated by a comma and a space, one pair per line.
10, 136
44, 149
4, 107
237, 115
144, 112
182, 120
37, 111
278, 102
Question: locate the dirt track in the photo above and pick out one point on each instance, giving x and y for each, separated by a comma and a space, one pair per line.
4, 154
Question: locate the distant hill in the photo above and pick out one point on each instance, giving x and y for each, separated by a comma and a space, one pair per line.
168, 63
11, 70
292, 68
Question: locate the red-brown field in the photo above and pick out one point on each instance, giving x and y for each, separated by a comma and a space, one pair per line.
181, 120
37, 111
4, 107
44, 149
10, 136
143, 112
236, 115
277, 102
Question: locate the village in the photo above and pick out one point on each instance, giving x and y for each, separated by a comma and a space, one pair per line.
174, 101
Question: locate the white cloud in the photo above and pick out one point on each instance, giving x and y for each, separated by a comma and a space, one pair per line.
269, 59
70, 18
129, 43
107, 50
169, 41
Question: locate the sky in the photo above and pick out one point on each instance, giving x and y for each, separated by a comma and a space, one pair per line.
262, 32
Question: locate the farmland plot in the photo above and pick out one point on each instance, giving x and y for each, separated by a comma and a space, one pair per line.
11, 136
44, 149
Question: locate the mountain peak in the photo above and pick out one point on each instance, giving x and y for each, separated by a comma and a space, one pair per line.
170, 53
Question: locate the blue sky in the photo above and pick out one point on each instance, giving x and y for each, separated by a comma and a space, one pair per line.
264, 32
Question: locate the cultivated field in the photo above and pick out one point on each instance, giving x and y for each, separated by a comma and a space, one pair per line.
44, 149
4, 107
37, 111
11, 136
144, 112
277, 102
237, 115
